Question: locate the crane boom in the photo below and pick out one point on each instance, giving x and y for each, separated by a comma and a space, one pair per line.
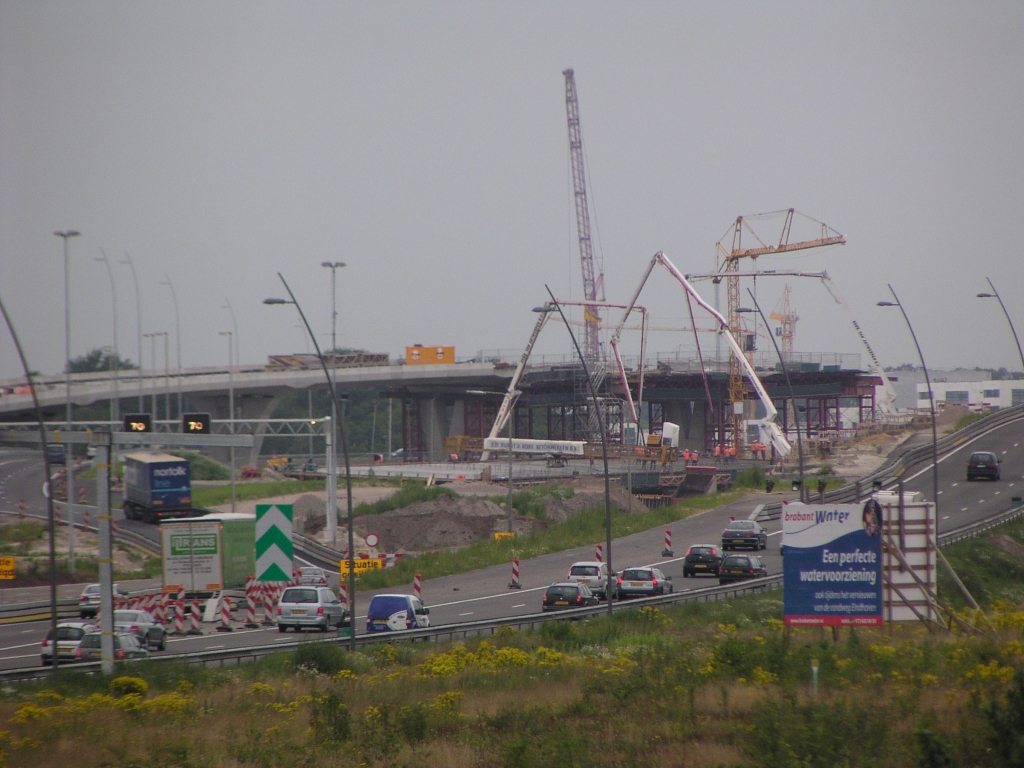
591, 281
777, 438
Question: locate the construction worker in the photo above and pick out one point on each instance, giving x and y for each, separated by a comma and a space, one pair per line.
718, 452
686, 457
694, 457
730, 454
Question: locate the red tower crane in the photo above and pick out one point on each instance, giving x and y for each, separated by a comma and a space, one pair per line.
591, 279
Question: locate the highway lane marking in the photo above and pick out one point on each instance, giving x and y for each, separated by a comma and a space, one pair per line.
954, 485
16, 647
940, 493
981, 501
28, 656
996, 493
470, 613
955, 451
213, 647
945, 517
521, 605
964, 509
775, 533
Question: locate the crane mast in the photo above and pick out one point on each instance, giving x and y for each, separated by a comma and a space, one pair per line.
591, 281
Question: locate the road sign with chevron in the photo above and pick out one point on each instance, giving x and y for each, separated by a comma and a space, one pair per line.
273, 542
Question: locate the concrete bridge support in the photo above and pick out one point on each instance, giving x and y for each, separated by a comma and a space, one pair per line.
247, 406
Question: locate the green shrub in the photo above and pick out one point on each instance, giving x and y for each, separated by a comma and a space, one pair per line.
410, 492
122, 686
967, 419
202, 467
752, 477
321, 656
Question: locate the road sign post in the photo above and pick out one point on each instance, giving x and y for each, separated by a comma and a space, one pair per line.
273, 542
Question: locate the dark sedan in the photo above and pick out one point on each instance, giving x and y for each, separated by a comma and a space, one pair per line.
739, 567
983, 464
563, 595
744, 533
703, 560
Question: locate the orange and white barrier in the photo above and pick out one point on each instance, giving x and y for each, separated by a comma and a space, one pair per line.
225, 615
667, 551
195, 618
417, 586
599, 553
514, 584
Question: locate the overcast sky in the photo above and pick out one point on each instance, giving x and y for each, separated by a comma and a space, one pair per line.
425, 145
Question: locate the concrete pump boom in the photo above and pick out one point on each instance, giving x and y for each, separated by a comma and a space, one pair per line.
775, 435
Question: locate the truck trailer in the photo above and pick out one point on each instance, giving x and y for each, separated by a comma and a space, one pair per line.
208, 554
157, 486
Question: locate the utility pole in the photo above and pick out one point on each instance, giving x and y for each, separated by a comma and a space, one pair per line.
115, 407
138, 324
231, 408
177, 335
69, 453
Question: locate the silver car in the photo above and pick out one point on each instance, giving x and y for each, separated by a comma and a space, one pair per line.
594, 574
69, 633
143, 626
89, 600
315, 607
643, 582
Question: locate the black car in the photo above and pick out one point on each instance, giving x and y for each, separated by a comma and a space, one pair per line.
703, 560
983, 464
744, 533
562, 595
739, 567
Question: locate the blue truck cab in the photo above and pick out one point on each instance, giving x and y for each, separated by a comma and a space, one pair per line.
393, 613
157, 486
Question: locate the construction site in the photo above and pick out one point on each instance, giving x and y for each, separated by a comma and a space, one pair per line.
740, 387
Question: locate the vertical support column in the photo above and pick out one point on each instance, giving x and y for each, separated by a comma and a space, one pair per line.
106, 562
332, 487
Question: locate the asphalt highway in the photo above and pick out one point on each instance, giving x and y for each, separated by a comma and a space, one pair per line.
484, 594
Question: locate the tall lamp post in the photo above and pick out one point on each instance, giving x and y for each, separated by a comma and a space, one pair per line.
348, 468
553, 305
231, 410
152, 358
334, 266
69, 455
789, 384
115, 404
995, 295
177, 334
138, 324
931, 398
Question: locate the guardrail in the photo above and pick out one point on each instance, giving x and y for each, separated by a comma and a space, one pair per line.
234, 656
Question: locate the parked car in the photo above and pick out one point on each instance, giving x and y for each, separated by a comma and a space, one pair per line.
143, 626
703, 559
89, 600
310, 607
744, 533
310, 576
69, 633
983, 464
739, 567
594, 574
126, 646
568, 594
393, 613
643, 582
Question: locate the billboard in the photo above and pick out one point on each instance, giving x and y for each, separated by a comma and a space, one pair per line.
832, 564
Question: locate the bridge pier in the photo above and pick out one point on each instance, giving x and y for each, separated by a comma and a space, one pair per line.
247, 406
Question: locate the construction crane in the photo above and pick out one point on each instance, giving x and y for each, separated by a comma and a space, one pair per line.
787, 326
592, 279
729, 268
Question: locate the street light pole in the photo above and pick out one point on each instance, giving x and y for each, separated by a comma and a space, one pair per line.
177, 334
167, 378
348, 467
152, 358
138, 323
995, 295
69, 454
234, 324
231, 407
334, 266
604, 445
789, 384
115, 404
931, 398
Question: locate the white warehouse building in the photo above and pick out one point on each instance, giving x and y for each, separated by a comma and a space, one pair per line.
976, 395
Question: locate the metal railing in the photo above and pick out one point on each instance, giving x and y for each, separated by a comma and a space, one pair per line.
444, 632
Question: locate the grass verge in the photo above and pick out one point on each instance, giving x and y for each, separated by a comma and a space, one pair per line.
703, 685
585, 528
213, 495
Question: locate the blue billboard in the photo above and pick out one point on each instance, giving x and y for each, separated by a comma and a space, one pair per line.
832, 564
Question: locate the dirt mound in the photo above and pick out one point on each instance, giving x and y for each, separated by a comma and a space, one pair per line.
440, 524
